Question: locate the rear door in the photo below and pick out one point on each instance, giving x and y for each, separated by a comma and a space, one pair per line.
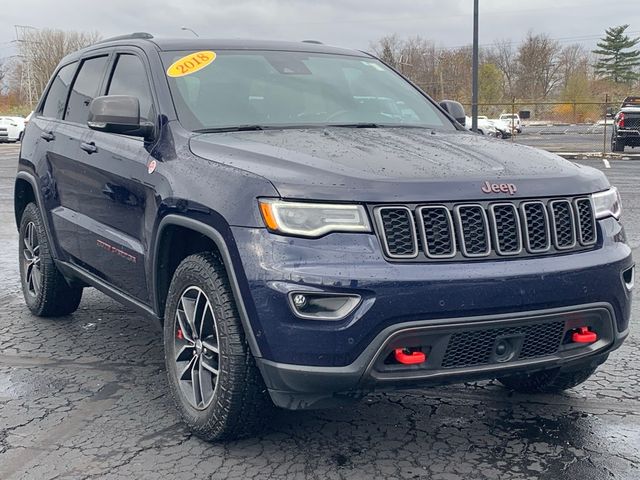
38, 150
113, 188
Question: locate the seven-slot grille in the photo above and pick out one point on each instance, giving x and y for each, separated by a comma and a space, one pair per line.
480, 230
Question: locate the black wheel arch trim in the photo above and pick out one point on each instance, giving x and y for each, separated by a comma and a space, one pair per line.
29, 178
220, 242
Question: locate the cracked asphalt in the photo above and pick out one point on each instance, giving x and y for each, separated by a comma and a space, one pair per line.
85, 396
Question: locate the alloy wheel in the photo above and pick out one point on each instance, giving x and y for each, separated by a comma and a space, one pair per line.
31, 260
197, 353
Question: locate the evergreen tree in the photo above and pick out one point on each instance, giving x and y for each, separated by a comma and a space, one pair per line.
618, 58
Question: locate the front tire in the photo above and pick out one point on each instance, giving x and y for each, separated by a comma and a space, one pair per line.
212, 374
46, 291
547, 381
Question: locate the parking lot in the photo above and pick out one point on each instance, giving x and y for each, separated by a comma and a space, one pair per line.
85, 396
586, 138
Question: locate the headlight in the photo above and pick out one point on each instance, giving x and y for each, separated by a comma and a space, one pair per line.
312, 219
607, 203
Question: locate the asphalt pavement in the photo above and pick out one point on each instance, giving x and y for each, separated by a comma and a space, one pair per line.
579, 138
85, 396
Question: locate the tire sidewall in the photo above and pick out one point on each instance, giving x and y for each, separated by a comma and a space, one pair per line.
187, 275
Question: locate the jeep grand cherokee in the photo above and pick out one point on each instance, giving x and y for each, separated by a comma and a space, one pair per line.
309, 226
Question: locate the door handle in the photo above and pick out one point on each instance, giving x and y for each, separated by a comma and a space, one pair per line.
47, 136
89, 147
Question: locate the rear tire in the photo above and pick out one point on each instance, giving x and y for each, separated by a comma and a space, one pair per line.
46, 291
547, 381
212, 374
616, 145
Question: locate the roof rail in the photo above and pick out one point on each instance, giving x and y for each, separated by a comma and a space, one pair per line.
130, 36
317, 42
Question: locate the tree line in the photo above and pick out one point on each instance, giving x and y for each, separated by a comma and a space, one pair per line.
24, 76
539, 69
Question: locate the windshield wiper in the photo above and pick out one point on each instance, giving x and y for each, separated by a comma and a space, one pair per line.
377, 125
237, 128
355, 125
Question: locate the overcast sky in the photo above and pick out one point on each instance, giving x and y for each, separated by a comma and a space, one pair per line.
349, 23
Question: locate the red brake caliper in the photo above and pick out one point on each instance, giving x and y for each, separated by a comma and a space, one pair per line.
179, 334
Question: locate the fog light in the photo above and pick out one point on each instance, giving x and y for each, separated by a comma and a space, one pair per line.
322, 305
299, 300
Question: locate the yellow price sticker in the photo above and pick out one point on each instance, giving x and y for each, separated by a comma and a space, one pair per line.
191, 63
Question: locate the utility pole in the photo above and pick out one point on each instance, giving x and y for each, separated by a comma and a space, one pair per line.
474, 70
21, 39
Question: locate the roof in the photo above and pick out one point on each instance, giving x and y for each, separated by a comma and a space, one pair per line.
244, 44
196, 44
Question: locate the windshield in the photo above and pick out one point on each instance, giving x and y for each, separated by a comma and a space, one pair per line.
287, 89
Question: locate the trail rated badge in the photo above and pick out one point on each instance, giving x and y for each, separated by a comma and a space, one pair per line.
191, 63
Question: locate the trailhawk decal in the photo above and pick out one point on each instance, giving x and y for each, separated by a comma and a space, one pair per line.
191, 63
116, 251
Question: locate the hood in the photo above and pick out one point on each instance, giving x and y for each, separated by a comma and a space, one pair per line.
395, 164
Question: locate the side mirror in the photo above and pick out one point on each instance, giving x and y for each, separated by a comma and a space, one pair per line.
455, 109
118, 114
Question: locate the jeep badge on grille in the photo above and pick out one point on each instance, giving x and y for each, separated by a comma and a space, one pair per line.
509, 188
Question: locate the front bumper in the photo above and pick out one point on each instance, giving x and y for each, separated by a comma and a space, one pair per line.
333, 356
305, 387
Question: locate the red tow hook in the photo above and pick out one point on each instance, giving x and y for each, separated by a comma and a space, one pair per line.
406, 357
584, 335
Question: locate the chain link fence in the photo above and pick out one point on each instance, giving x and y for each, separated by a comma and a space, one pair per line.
561, 127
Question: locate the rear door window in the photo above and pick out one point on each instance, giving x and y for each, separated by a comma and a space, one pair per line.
85, 88
130, 78
57, 95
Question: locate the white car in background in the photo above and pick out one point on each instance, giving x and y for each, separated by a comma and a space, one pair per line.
11, 129
513, 119
503, 128
485, 127
491, 128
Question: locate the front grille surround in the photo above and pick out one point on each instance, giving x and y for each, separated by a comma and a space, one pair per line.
586, 216
463, 224
433, 241
410, 237
451, 231
537, 233
496, 212
561, 226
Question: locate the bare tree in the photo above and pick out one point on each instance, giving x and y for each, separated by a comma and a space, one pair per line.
41, 51
538, 69
388, 49
504, 56
574, 60
455, 65
539, 66
443, 73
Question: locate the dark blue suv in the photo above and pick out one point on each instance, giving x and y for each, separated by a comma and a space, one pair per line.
309, 226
